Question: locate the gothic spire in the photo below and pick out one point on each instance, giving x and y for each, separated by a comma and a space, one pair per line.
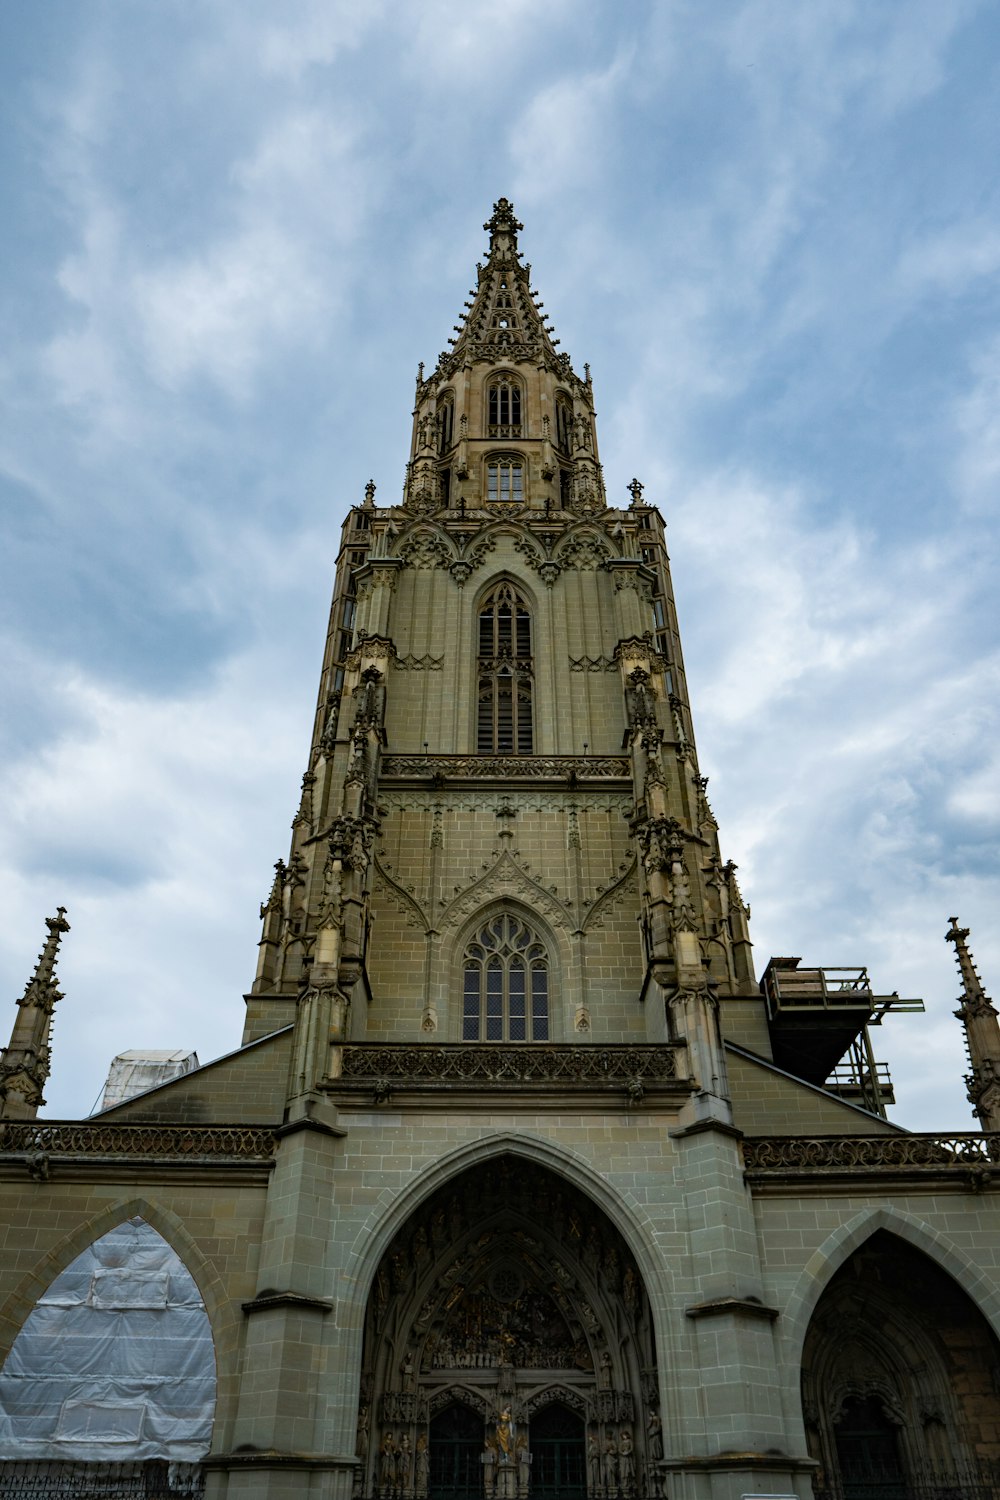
982, 1033
24, 1064
503, 320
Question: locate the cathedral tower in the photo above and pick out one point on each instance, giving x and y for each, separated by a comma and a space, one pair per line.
520, 1185
503, 936
503, 751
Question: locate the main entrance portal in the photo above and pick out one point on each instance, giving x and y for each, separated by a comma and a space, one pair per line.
508, 1350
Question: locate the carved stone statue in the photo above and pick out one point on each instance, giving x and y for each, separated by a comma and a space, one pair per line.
523, 1463
505, 1435
403, 1461
488, 1460
593, 1463
610, 1464
423, 1465
387, 1463
654, 1436
626, 1462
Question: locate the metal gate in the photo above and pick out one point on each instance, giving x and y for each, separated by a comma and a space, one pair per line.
456, 1448
558, 1461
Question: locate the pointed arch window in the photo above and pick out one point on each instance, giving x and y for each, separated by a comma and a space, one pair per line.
504, 416
503, 724
505, 481
506, 991
446, 423
564, 422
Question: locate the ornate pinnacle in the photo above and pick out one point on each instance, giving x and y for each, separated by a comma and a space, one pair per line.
982, 1034
24, 1065
503, 222
974, 998
41, 991
635, 489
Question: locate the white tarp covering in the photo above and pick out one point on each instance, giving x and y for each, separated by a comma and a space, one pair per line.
116, 1360
134, 1072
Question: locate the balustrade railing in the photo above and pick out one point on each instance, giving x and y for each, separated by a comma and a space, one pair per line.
66, 1138
59, 1479
764, 1155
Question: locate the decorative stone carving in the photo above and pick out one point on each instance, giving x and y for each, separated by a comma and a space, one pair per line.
502, 1067
425, 549
764, 1155
592, 664
584, 552
425, 663
508, 767
188, 1143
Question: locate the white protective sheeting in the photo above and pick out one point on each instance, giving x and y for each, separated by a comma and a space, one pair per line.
136, 1072
116, 1360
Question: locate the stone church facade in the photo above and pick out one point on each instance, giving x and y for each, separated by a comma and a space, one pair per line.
522, 1184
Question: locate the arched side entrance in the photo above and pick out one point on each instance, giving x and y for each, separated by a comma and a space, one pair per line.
900, 1381
508, 1349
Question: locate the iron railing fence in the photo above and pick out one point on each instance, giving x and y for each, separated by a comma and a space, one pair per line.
58, 1479
970, 1482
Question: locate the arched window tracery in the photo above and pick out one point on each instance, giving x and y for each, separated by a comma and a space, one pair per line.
504, 403
504, 720
564, 422
505, 480
446, 423
506, 983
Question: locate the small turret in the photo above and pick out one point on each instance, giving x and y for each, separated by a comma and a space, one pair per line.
982, 1034
24, 1064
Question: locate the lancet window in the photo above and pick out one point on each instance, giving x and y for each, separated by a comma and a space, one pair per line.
506, 994
504, 416
504, 675
446, 424
564, 423
505, 481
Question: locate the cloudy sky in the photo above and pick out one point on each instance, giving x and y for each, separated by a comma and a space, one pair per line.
232, 230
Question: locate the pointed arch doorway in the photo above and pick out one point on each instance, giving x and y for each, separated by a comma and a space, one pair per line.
899, 1396
508, 1342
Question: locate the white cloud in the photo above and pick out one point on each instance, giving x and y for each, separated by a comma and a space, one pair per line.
155, 821
977, 421
219, 313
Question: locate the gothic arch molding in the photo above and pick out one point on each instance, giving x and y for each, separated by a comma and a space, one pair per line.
395, 893
506, 881
212, 1343
425, 541
474, 1302
557, 951
585, 545
218, 1303
898, 1368
510, 574
396, 1206
841, 1244
609, 898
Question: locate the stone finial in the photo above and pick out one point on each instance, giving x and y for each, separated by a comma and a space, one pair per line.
41, 990
503, 222
369, 494
635, 489
24, 1064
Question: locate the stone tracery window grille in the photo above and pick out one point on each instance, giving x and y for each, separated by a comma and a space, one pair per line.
446, 423
506, 990
564, 423
504, 413
505, 481
504, 675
